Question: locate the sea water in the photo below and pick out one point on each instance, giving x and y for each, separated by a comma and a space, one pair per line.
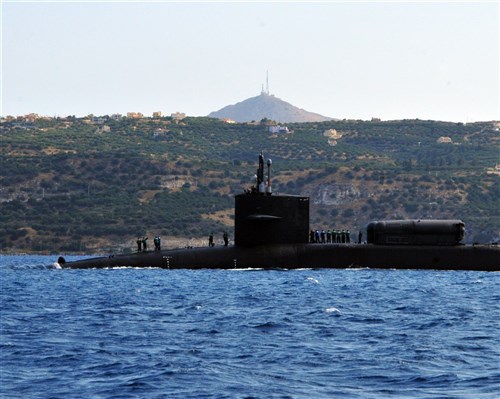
153, 333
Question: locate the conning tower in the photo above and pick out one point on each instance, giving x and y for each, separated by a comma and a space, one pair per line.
262, 218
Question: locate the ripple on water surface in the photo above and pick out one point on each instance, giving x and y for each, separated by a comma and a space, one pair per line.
153, 333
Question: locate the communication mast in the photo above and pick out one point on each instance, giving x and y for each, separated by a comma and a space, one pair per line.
266, 90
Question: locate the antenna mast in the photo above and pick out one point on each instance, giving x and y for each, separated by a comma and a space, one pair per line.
267, 82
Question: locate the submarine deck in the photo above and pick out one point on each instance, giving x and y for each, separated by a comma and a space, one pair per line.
296, 256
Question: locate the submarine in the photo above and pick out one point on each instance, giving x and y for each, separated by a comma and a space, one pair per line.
272, 232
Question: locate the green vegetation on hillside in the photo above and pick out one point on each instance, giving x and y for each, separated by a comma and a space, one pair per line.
81, 184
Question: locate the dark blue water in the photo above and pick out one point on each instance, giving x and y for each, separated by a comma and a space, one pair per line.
151, 333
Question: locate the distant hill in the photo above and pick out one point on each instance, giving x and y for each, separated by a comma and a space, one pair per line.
267, 106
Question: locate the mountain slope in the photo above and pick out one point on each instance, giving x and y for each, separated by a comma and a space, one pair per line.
96, 184
266, 106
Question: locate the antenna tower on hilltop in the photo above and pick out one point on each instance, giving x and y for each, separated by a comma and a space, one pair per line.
266, 91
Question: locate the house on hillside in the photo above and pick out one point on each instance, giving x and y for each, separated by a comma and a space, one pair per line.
446, 140
31, 117
135, 115
178, 116
98, 120
332, 136
103, 129
279, 129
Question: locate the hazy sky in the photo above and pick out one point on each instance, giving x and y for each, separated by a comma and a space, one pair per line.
393, 60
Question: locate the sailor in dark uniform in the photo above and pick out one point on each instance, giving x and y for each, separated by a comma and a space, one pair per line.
157, 243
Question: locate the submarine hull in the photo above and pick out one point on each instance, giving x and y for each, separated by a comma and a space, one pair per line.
295, 256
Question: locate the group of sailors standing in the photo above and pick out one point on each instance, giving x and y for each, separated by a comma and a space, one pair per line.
329, 236
142, 243
225, 237
315, 236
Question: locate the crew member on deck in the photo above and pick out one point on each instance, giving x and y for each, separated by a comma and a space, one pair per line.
157, 242
144, 244
211, 240
139, 244
226, 238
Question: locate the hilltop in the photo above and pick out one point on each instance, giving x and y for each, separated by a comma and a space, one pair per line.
266, 106
94, 184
